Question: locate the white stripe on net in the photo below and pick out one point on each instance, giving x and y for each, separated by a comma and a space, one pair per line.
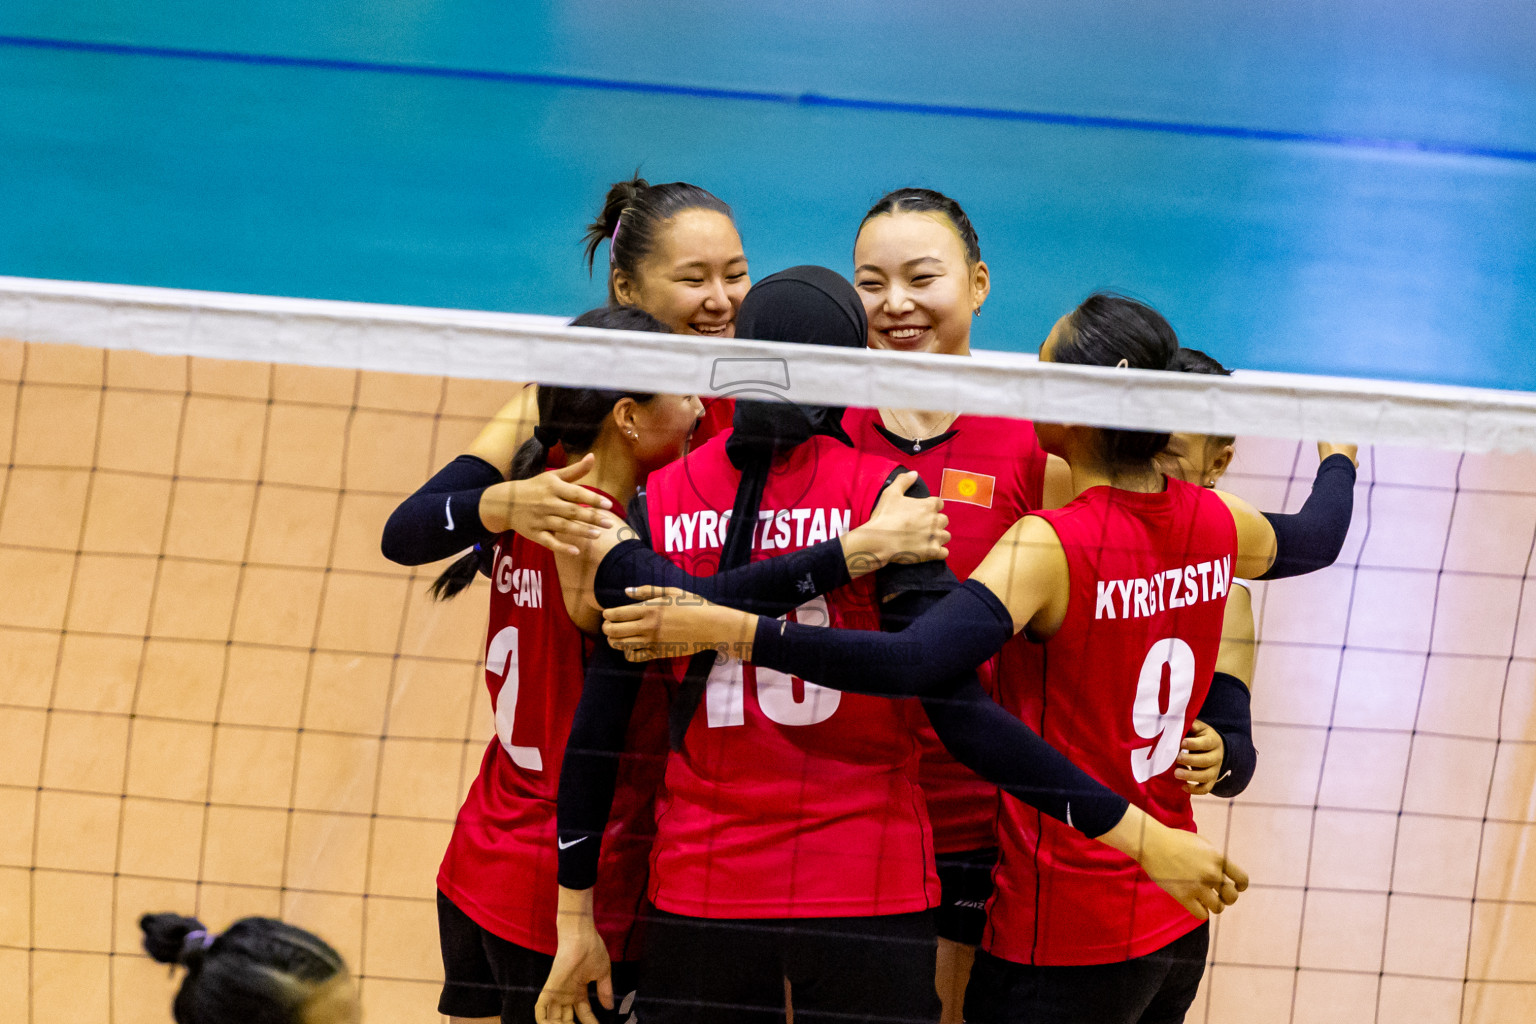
517, 347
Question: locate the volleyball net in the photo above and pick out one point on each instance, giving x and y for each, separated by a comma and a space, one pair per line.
217, 697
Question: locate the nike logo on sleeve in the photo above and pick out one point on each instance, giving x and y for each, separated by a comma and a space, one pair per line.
567, 845
448, 508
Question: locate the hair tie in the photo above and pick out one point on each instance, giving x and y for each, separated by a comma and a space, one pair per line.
545, 436
613, 239
198, 939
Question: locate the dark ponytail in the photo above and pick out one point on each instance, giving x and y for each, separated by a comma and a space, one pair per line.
569, 417
631, 215
1105, 329
260, 971
926, 200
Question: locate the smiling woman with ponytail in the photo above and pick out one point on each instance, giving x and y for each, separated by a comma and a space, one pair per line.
260, 971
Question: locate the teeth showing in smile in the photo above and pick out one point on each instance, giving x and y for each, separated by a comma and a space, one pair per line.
713, 330
905, 333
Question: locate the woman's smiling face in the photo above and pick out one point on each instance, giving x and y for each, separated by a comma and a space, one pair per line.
919, 289
694, 279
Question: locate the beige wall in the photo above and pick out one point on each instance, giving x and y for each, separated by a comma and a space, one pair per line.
216, 696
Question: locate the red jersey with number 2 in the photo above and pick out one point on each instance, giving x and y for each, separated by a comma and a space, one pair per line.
500, 867
1115, 690
787, 799
990, 473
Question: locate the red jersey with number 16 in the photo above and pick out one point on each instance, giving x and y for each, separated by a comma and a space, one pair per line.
1115, 689
787, 799
500, 867
990, 472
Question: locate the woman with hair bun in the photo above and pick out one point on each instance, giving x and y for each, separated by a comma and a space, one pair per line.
920, 275
673, 251
260, 971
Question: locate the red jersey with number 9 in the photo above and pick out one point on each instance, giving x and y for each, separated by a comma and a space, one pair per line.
1115, 689
787, 799
501, 863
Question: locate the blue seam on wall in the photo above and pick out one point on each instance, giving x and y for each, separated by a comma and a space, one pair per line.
794, 99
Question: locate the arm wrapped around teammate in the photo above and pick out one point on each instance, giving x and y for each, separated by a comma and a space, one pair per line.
984, 737
1312, 538
906, 525
1228, 709
443, 517
770, 587
954, 636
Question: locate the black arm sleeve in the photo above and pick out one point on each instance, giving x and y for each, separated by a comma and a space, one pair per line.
985, 738
1312, 538
591, 768
770, 587
955, 635
1000, 748
1228, 709
443, 517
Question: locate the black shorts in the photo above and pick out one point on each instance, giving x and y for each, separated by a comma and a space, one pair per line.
484, 975
842, 969
965, 881
1154, 989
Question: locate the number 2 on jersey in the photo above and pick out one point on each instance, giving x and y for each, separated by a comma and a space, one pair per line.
725, 691
1166, 728
501, 660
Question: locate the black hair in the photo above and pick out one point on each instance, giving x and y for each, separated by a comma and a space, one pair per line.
926, 200
260, 971
569, 417
632, 212
1192, 360
1104, 330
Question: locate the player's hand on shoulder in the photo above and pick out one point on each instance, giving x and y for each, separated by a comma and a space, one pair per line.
1327, 448
1199, 760
552, 509
667, 622
902, 529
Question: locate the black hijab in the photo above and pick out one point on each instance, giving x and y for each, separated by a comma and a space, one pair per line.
807, 306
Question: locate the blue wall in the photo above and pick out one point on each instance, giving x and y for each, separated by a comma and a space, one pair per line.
1345, 187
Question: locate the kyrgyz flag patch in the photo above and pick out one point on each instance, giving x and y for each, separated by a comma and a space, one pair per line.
973, 488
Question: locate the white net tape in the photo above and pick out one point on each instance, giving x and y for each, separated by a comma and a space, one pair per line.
516, 347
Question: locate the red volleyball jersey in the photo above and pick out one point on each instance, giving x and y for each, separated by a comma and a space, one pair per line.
501, 864
990, 472
1115, 690
787, 799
